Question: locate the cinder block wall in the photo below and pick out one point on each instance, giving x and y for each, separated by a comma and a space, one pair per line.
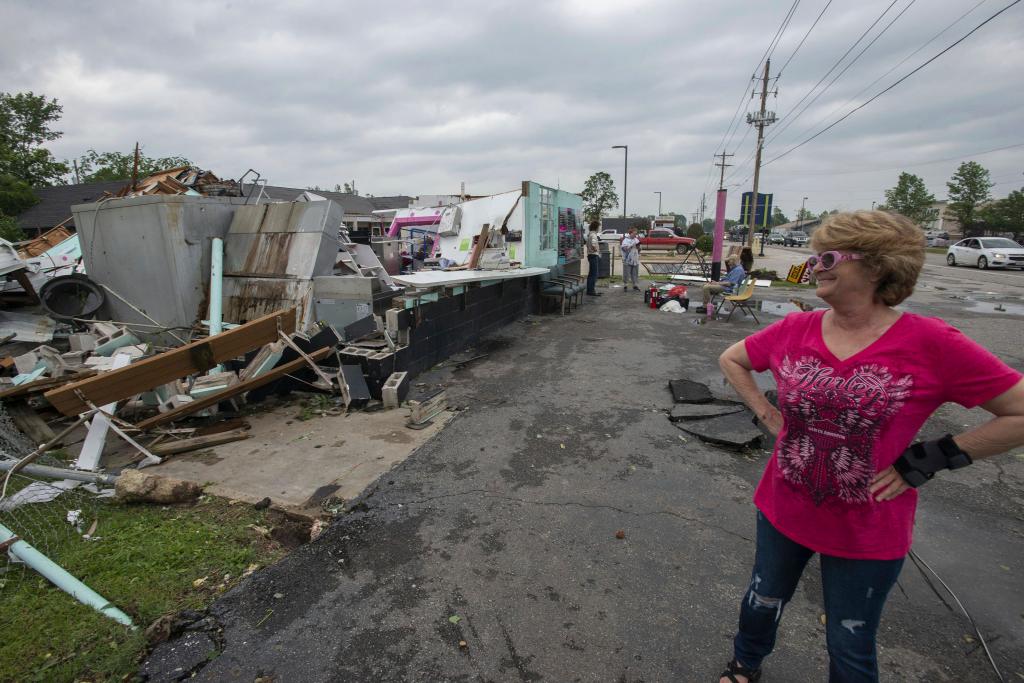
452, 324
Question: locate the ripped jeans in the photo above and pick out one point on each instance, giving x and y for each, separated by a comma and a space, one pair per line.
854, 591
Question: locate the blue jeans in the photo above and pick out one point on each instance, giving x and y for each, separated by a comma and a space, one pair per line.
592, 261
854, 590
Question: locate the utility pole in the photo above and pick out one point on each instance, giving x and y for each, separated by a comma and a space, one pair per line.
75, 163
659, 201
135, 168
625, 175
761, 119
719, 238
703, 205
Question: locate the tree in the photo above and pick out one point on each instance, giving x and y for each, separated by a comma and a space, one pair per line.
1005, 215
9, 229
25, 120
911, 198
695, 230
598, 196
15, 195
778, 218
709, 224
968, 188
350, 188
94, 167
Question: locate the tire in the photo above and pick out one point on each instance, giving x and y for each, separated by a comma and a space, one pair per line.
982, 263
950, 260
680, 248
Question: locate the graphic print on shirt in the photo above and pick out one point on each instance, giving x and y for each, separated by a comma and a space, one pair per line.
832, 425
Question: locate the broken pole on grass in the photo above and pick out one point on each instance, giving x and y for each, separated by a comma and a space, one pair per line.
57, 575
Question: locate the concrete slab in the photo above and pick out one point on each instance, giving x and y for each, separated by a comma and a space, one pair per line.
734, 431
693, 411
290, 460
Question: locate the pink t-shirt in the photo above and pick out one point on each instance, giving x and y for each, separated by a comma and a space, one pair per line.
846, 420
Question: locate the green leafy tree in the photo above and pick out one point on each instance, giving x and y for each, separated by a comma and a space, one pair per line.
25, 120
911, 198
695, 230
9, 229
968, 188
778, 218
15, 195
1005, 215
95, 167
598, 196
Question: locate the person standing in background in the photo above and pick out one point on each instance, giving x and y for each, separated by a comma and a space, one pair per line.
593, 256
630, 260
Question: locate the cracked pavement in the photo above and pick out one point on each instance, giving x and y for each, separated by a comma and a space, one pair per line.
491, 554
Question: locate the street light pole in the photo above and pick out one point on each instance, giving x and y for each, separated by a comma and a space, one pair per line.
625, 176
802, 214
659, 201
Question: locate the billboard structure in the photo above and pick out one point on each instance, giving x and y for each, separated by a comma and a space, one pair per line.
762, 217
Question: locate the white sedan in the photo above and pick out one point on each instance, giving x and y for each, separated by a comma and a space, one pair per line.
986, 252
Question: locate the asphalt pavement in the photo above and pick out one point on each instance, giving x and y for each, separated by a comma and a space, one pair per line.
561, 528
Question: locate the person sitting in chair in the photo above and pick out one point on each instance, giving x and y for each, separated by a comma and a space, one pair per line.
726, 285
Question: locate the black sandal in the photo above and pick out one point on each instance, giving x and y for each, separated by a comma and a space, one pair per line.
734, 669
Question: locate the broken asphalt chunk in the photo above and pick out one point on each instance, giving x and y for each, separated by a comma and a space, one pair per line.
693, 411
688, 391
732, 431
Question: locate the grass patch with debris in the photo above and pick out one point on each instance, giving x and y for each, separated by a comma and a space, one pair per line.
148, 561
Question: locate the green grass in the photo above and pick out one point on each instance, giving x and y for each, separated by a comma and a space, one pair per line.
936, 250
145, 563
786, 284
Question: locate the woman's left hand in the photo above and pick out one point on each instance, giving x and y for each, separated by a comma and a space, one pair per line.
887, 484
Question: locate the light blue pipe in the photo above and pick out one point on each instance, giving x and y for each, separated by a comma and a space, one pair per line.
63, 580
216, 290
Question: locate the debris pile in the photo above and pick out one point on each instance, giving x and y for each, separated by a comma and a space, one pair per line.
720, 422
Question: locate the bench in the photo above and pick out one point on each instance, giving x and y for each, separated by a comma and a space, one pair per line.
562, 287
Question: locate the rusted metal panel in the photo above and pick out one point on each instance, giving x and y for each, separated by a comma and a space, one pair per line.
248, 298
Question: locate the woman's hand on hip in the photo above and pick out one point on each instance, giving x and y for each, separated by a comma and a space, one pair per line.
887, 484
771, 418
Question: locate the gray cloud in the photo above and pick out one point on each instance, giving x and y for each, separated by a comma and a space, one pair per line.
413, 97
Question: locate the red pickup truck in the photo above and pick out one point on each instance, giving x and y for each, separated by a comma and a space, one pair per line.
664, 238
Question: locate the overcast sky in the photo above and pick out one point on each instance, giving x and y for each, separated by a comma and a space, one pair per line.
416, 97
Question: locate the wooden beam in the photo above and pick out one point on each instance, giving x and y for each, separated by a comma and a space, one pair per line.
199, 356
195, 443
29, 422
241, 387
478, 248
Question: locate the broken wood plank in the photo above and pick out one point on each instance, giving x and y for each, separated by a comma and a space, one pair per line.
478, 248
29, 422
199, 356
198, 442
241, 387
41, 385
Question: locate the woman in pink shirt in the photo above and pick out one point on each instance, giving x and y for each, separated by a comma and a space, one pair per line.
855, 384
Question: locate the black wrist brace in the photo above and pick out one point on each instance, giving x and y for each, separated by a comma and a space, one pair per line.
922, 460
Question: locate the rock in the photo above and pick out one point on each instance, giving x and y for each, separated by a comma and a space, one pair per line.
134, 486
688, 391
733, 431
693, 411
263, 504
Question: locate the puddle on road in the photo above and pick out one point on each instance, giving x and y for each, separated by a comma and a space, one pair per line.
994, 307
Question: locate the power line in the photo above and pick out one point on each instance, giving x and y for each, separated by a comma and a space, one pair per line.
844, 70
820, 15
778, 34
958, 157
875, 97
898, 65
840, 60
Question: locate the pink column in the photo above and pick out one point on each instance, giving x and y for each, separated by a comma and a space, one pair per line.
716, 252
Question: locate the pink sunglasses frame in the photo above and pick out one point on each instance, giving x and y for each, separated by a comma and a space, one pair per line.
840, 257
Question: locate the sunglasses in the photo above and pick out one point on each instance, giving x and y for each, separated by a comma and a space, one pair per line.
831, 259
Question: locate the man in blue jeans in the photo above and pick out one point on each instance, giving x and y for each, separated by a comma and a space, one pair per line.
593, 258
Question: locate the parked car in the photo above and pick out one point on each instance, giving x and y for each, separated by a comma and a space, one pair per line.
986, 252
664, 238
611, 236
937, 240
776, 237
795, 238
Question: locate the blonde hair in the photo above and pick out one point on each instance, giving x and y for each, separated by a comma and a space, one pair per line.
892, 246
731, 260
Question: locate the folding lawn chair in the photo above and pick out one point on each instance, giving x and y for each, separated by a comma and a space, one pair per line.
740, 300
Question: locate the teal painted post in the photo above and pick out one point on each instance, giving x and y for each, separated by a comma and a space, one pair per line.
61, 578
